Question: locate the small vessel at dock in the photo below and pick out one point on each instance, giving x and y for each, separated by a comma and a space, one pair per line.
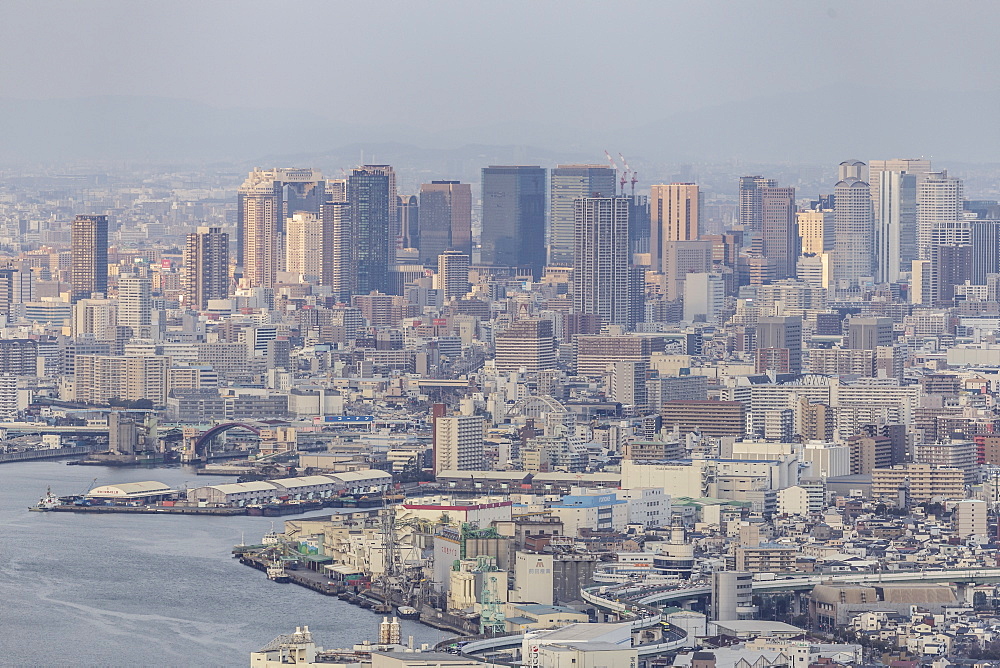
276, 572
47, 502
272, 537
407, 612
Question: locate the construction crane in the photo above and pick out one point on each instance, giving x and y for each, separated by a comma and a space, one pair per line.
611, 161
624, 178
635, 175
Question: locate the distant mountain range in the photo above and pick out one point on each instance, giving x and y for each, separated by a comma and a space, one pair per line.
819, 127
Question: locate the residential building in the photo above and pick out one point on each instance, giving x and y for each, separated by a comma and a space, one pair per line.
939, 203
453, 274
710, 418
918, 483
750, 211
568, 184
458, 443
206, 267
605, 282
90, 256
527, 343
264, 201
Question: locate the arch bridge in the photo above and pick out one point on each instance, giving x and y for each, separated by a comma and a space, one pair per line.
196, 443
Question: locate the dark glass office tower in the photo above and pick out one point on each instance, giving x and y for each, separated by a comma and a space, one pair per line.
445, 219
514, 218
779, 234
372, 198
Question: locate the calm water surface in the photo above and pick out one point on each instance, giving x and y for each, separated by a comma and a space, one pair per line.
145, 590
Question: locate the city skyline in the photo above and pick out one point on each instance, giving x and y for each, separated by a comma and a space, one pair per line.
699, 369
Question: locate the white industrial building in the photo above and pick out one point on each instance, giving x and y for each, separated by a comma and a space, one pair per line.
149, 490
299, 488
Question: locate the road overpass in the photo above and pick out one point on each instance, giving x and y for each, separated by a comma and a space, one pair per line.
617, 598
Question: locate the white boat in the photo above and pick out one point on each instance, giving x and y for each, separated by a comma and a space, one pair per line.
272, 537
276, 572
47, 502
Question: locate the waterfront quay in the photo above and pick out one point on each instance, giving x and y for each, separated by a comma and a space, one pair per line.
267, 498
43, 453
363, 597
148, 510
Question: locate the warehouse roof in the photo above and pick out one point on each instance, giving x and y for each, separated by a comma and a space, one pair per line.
306, 481
368, 474
131, 489
241, 487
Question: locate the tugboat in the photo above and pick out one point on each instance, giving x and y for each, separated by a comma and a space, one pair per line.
46, 503
276, 572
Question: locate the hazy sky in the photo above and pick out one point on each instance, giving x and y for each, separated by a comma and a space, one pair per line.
437, 64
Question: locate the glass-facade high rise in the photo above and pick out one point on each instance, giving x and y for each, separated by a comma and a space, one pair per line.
372, 198
513, 233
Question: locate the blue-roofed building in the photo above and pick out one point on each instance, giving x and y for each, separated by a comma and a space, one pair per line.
591, 509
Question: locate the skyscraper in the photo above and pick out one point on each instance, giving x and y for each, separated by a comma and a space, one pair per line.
895, 211
919, 168
513, 221
304, 245
135, 304
206, 267
750, 210
950, 265
853, 229
816, 231
17, 286
264, 201
89, 256
852, 169
674, 215
985, 249
570, 182
939, 210
638, 223
779, 236
445, 219
605, 282
371, 193
453, 274
408, 210
338, 250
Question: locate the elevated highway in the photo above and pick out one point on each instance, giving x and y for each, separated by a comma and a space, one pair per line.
616, 599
